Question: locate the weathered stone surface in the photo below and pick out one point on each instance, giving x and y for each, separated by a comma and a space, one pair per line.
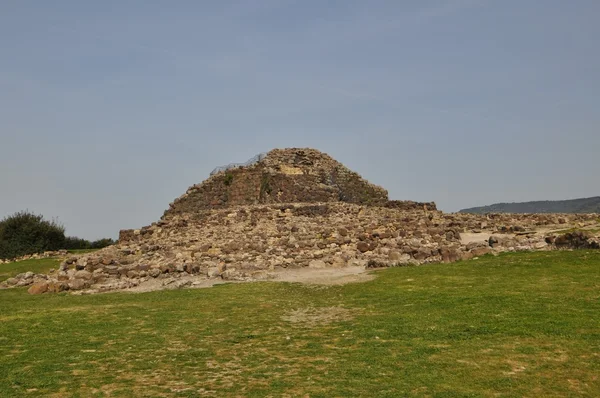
318, 264
38, 288
363, 247
450, 255
481, 251
154, 272
577, 240
398, 257
85, 275
11, 281
77, 284
213, 272
57, 287
493, 241
133, 274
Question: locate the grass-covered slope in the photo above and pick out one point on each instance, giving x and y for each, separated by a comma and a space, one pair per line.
521, 325
586, 205
41, 266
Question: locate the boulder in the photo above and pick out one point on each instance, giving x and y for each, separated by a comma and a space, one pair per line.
449, 255
57, 287
213, 272
38, 288
78, 284
107, 260
493, 241
85, 275
480, 251
363, 246
154, 272
11, 281
398, 257
133, 274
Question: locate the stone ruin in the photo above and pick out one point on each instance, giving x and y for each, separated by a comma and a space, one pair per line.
282, 176
297, 208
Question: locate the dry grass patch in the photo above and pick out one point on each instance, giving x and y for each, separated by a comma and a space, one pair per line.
311, 317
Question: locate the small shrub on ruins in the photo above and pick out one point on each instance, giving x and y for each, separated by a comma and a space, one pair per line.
228, 179
265, 186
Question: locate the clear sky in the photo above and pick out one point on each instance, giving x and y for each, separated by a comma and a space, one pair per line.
110, 109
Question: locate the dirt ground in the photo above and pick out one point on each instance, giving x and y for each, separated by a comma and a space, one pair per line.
311, 276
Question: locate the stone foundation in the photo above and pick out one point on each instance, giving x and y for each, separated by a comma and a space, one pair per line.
251, 242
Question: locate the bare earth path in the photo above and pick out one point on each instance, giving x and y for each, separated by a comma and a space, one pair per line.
306, 275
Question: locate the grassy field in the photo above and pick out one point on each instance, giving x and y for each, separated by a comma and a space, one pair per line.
37, 266
519, 325
82, 251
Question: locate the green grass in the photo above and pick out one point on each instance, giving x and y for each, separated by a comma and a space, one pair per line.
82, 251
518, 325
38, 266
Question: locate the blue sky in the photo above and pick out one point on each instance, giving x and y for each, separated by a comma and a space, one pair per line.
109, 110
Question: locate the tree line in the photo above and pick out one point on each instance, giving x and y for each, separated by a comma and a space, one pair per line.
25, 233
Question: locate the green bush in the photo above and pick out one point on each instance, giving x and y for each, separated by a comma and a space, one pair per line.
228, 179
100, 243
75, 243
27, 233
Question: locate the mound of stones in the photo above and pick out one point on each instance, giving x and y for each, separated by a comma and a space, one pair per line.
574, 240
255, 242
295, 208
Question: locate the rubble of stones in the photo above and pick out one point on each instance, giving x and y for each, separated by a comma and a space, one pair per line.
249, 243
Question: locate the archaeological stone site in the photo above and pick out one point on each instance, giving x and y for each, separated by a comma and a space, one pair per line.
295, 210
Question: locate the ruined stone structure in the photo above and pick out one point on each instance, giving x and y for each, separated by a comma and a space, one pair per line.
298, 208
283, 176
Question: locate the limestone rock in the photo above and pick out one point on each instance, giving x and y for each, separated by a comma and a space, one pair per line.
480, 251
78, 284
154, 272
38, 288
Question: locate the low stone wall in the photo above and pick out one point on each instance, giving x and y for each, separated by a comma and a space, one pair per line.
408, 205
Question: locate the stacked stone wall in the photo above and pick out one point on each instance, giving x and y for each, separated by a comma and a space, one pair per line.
283, 176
